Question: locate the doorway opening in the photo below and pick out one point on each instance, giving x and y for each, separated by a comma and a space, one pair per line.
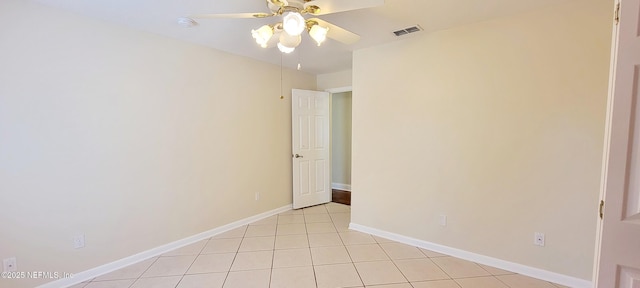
341, 146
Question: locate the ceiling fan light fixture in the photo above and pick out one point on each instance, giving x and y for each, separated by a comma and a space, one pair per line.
318, 33
278, 3
288, 41
262, 35
312, 9
285, 49
293, 23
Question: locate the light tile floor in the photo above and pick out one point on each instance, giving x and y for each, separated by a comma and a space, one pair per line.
312, 247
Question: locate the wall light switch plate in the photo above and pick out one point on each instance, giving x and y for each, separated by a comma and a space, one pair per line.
443, 220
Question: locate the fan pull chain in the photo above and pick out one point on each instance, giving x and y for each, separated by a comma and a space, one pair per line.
281, 90
299, 59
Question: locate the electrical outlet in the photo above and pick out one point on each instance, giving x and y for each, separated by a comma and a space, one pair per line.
78, 241
257, 196
9, 265
538, 239
443, 220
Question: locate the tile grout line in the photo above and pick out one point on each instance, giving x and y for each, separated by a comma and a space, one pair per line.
313, 267
500, 280
345, 248
273, 250
145, 271
394, 262
226, 277
194, 261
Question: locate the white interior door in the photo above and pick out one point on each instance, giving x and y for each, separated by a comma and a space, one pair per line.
310, 134
619, 251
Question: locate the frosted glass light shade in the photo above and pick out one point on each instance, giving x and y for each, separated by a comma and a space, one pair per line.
288, 43
285, 49
293, 23
318, 33
262, 35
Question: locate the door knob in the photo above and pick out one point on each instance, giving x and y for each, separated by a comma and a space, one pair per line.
298, 156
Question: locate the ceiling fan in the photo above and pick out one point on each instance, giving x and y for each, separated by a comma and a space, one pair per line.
292, 22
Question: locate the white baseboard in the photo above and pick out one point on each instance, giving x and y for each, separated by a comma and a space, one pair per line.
340, 186
486, 260
118, 264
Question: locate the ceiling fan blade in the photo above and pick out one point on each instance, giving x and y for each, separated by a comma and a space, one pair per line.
332, 6
234, 15
338, 33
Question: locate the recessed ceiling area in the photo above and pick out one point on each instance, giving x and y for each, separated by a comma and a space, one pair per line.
374, 25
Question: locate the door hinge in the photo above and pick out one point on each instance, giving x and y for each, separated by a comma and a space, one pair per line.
616, 14
601, 209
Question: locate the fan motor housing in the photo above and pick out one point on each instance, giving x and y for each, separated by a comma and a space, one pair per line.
276, 5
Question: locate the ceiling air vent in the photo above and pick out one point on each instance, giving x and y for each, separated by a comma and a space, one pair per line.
408, 30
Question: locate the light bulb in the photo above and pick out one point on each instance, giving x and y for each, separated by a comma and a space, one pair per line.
318, 33
293, 23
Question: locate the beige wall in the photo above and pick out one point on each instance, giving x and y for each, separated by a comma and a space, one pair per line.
134, 139
341, 138
339, 79
497, 125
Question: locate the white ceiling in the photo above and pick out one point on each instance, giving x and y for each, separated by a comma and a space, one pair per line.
374, 25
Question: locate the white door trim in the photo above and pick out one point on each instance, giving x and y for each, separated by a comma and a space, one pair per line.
339, 89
